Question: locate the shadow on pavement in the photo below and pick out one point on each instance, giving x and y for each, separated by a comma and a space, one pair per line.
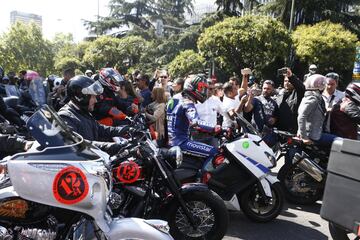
312, 208
278, 229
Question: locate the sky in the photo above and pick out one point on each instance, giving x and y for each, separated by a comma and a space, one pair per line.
60, 15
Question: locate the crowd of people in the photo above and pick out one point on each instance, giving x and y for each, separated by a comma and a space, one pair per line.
187, 111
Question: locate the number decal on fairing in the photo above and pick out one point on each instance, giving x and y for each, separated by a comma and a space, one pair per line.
70, 185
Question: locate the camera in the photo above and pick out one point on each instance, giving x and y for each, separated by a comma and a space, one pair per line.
282, 71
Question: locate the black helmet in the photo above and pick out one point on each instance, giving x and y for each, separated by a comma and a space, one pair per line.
195, 87
80, 88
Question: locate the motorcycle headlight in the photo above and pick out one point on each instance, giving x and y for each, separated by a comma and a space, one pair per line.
271, 158
176, 154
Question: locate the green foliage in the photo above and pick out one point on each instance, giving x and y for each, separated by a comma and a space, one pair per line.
130, 48
102, 52
326, 44
251, 41
230, 7
314, 11
23, 47
185, 63
141, 13
67, 62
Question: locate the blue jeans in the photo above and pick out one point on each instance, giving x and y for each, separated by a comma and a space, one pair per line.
325, 140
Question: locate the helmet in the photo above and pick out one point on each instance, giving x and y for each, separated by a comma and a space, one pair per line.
57, 83
195, 87
315, 82
353, 92
312, 67
51, 78
109, 77
80, 88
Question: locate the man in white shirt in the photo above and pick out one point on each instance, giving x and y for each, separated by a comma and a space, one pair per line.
232, 104
208, 112
331, 95
235, 98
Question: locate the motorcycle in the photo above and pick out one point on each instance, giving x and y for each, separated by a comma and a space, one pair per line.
145, 186
303, 175
60, 189
240, 174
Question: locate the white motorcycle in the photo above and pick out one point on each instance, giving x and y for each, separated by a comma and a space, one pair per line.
60, 189
240, 174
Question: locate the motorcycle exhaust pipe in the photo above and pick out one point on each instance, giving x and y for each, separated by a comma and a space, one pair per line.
310, 167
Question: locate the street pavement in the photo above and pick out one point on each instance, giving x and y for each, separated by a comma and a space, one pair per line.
296, 222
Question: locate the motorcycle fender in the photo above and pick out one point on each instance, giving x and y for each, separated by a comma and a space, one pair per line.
134, 228
266, 186
272, 179
8, 192
190, 187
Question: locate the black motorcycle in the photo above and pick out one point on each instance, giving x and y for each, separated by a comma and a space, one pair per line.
303, 175
144, 186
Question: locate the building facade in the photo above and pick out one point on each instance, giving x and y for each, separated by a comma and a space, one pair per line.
16, 16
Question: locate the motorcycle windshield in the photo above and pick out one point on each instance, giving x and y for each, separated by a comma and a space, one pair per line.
37, 91
12, 90
246, 126
49, 130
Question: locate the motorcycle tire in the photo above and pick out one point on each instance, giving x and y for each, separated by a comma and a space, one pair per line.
250, 203
287, 172
338, 233
198, 202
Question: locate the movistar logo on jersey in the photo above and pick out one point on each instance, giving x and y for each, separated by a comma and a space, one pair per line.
171, 104
199, 147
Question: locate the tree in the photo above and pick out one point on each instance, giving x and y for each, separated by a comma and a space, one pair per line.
230, 7
66, 54
140, 13
250, 41
185, 63
130, 50
67, 62
314, 11
102, 52
23, 47
326, 44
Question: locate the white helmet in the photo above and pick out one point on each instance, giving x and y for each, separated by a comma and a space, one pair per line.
57, 83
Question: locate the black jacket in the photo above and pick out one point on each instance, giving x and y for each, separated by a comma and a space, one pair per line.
108, 100
11, 145
85, 124
288, 103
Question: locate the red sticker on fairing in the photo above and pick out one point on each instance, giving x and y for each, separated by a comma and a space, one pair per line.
70, 185
128, 172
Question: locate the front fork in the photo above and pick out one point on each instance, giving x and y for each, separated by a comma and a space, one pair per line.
265, 184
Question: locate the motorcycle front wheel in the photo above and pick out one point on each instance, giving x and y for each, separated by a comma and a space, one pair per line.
260, 208
209, 212
298, 186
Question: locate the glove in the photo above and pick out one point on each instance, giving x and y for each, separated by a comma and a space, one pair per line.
113, 148
217, 129
116, 113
